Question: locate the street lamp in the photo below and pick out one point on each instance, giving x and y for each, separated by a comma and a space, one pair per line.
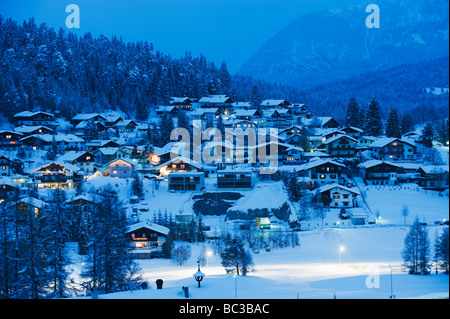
341, 250
199, 275
392, 288
208, 254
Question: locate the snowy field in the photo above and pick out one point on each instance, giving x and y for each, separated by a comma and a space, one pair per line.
311, 270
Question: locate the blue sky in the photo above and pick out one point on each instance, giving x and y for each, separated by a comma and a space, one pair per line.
230, 30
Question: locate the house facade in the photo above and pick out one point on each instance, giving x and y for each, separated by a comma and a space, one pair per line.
393, 149
120, 168
57, 175
186, 181
146, 239
337, 196
376, 172
235, 179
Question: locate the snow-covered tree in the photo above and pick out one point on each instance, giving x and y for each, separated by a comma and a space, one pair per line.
417, 249
393, 128
441, 251
373, 125
236, 256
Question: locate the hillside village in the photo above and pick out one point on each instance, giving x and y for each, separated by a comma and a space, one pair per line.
324, 167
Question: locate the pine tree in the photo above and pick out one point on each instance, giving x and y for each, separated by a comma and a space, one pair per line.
441, 251
236, 256
166, 128
406, 124
255, 98
393, 128
109, 264
373, 124
352, 116
137, 186
416, 250
428, 135
443, 131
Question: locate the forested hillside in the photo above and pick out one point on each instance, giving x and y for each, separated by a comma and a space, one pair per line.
404, 87
56, 71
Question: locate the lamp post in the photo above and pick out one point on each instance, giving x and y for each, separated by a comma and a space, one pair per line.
235, 286
341, 250
199, 275
392, 289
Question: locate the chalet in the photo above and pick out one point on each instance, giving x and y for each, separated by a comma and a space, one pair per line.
57, 175
274, 119
208, 115
178, 164
364, 142
314, 155
392, 149
339, 146
249, 115
322, 171
352, 131
183, 103
64, 142
274, 104
83, 126
321, 122
34, 118
376, 172
96, 144
337, 196
8, 188
120, 168
235, 179
84, 160
77, 119
167, 109
146, 239
126, 126
221, 102
5, 165
30, 205
27, 130
243, 124
434, 177
10, 140
80, 203
186, 181
111, 120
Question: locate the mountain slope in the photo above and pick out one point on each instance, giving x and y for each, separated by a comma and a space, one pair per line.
329, 46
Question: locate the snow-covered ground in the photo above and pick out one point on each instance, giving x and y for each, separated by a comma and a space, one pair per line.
311, 270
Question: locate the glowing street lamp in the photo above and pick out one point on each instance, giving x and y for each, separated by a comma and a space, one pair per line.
341, 250
208, 254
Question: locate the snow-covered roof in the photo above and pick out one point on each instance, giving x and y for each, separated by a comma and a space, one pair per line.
33, 202
66, 165
319, 162
331, 186
434, 169
155, 227
337, 137
86, 116
4, 180
372, 163
69, 138
30, 128
273, 102
381, 142
30, 114
215, 99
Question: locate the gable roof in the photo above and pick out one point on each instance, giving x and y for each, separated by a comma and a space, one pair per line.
381, 142
375, 162
319, 162
155, 227
328, 187
337, 137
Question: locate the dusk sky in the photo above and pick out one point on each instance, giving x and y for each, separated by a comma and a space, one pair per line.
230, 30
